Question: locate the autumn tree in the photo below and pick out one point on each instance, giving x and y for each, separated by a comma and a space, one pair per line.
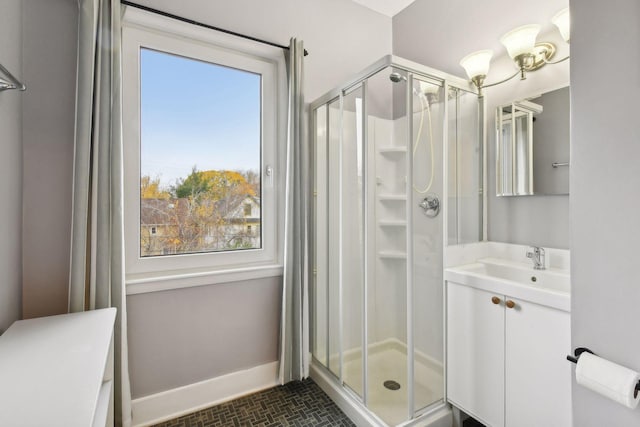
205, 210
214, 185
150, 189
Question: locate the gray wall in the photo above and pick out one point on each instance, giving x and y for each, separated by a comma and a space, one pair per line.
184, 336
10, 167
605, 145
49, 45
429, 32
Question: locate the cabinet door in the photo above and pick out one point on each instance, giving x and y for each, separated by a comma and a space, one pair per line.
475, 353
538, 377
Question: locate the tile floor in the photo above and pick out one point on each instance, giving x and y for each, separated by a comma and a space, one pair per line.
299, 404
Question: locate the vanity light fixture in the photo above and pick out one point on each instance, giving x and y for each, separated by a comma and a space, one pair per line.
476, 65
522, 48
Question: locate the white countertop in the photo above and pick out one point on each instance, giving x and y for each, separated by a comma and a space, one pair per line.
472, 275
52, 369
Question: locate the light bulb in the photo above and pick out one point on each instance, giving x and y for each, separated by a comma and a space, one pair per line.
562, 20
521, 40
477, 63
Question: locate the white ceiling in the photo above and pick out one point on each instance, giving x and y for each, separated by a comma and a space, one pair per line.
386, 7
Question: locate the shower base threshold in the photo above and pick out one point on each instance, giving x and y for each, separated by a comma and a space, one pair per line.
439, 415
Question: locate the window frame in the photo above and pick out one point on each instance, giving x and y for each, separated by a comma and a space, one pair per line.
145, 30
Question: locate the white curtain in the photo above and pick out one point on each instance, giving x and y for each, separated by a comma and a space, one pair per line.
294, 325
97, 241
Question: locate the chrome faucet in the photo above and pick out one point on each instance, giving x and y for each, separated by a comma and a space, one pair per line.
536, 254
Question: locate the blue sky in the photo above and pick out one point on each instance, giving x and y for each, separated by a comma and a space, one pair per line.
196, 113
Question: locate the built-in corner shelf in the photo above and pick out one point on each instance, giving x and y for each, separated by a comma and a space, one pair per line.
392, 255
392, 197
392, 223
392, 150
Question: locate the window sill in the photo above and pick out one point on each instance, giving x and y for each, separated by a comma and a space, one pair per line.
146, 283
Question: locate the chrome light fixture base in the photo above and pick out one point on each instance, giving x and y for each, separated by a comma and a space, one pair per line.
542, 53
478, 81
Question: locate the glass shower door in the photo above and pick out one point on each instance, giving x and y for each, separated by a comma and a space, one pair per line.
352, 238
426, 195
382, 147
320, 285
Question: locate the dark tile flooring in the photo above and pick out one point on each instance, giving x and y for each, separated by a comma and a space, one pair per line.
298, 404
470, 422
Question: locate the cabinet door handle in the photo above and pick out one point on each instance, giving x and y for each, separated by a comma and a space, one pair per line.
495, 300
510, 304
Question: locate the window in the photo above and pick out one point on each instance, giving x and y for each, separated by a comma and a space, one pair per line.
200, 128
200, 147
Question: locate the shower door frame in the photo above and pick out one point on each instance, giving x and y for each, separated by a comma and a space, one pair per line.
447, 81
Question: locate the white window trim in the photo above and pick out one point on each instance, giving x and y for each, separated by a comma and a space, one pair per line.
143, 29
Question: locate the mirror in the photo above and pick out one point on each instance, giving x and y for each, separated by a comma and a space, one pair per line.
532, 156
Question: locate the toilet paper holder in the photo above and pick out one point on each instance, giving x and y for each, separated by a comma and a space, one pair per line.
576, 355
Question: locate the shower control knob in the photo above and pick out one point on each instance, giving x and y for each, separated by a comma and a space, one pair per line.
430, 205
495, 300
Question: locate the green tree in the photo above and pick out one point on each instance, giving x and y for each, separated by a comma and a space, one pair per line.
192, 186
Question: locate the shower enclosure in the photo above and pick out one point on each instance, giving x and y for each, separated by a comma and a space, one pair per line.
397, 176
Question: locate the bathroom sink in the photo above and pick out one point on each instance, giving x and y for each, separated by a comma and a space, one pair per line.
518, 280
523, 274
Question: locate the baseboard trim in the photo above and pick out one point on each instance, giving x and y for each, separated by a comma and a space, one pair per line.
184, 400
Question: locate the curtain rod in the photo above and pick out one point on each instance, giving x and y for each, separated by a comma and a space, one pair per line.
201, 24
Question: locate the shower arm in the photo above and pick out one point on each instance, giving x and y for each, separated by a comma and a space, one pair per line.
9, 81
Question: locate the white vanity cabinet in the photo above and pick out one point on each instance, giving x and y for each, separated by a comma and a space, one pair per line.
506, 361
57, 371
475, 353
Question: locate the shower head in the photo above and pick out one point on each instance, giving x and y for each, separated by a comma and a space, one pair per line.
397, 77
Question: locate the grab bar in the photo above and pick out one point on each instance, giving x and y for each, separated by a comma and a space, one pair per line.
9, 81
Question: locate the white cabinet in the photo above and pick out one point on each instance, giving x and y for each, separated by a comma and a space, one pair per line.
537, 374
57, 371
475, 353
506, 359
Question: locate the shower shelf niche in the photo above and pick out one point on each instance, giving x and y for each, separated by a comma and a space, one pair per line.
392, 197
392, 255
392, 223
392, 150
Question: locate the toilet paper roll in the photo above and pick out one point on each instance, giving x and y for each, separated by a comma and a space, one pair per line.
609, 379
